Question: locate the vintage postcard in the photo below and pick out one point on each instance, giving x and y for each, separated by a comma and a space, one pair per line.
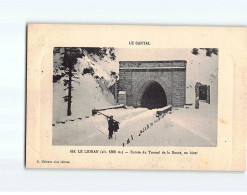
136, 97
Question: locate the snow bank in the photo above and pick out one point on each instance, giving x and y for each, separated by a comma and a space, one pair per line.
86, 95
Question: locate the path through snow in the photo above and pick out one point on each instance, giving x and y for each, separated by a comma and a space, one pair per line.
184, 127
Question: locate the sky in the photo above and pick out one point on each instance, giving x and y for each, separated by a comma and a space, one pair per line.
151, 54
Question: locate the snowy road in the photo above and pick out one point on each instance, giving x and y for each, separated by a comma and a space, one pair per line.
184, 127
94, 130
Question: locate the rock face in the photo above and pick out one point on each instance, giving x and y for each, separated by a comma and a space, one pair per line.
153, 84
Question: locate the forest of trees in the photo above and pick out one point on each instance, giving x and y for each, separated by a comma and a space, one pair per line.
209, 51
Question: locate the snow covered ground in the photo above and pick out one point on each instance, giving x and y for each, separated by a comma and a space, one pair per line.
183, 127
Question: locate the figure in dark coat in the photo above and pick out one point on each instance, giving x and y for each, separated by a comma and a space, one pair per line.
110, 126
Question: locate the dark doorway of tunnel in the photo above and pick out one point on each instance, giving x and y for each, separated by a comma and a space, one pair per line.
154, 96
203, 92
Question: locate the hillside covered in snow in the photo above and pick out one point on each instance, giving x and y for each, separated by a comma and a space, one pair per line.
93, 77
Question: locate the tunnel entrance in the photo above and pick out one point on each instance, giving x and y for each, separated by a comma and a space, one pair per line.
154, 96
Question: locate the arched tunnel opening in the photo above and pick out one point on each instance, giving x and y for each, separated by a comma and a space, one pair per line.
154, 96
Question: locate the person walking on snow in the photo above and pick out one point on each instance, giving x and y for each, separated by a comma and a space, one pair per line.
110, 126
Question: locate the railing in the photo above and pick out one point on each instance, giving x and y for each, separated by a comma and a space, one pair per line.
94, 111
163, 110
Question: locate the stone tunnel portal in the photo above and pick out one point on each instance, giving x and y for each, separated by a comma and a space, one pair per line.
152, 83
153, 96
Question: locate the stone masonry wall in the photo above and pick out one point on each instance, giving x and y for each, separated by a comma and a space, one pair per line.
171, 75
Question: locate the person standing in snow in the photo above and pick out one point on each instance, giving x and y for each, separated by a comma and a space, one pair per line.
110, 126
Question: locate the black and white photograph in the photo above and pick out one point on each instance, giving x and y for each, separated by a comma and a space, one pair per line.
106, 96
